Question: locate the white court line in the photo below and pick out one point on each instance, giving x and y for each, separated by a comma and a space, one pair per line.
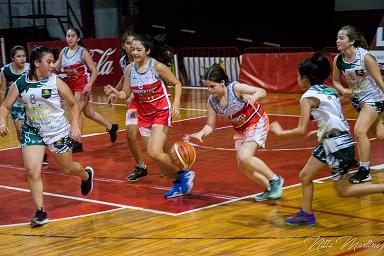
88, 200
107, 180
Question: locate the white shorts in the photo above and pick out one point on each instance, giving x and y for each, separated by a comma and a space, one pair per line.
131, 117
145, 131
255, 132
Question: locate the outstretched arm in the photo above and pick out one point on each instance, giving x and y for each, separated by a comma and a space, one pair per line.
305, 108
208, 128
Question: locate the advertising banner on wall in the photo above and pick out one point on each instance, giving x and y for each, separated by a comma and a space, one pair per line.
105, 53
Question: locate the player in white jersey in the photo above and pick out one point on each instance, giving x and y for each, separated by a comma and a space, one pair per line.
45, 126
80, 73
366, 90
336, 146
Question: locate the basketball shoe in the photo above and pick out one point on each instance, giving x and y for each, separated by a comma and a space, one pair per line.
361, 175
113, 132
39, 219
276, 188
87, 186
301, 218
138, 173
182, 186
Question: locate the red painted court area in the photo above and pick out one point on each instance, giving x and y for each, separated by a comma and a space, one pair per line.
217, 181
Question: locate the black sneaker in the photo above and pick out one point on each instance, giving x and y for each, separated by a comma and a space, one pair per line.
113, 132
39, 219
77, 147
45, 159
87, 186
137, 173
361, 175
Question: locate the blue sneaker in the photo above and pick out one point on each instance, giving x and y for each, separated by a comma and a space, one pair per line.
186, 181
301, 218
174, 192
182, 186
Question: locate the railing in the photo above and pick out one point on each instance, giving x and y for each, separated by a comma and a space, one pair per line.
194, 61
39, 12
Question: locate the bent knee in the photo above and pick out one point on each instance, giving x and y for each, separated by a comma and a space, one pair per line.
32, 174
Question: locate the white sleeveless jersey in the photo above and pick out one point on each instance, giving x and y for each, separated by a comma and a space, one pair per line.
358, 78
150, 90
74, 67
328, 114
43, 109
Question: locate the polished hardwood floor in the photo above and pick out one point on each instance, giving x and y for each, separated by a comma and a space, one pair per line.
236, 225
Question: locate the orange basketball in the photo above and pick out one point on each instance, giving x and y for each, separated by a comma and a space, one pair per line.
183, 155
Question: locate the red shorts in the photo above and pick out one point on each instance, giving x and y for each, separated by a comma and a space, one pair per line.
163, 118
78, 85
133, 105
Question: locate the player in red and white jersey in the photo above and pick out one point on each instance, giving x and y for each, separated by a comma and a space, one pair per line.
146, 78
79, 72
238, 102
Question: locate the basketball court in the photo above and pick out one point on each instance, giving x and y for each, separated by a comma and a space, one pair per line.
221, 192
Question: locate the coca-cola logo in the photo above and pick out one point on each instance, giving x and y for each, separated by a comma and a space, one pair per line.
104, 64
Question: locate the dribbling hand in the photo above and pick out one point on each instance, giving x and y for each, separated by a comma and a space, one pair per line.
275, 127
198, 136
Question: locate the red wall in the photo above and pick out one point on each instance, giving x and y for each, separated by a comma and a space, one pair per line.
275, 72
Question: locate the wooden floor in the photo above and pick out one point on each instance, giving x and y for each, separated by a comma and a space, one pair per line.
346, 226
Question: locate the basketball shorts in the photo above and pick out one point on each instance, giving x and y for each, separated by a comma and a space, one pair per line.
338, 152
30, 137
257, 132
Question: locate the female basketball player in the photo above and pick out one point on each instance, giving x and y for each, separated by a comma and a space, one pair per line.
131, 120
80, 73
366, 90
10, 73
146, 78
336, 147
45, 126
237, 101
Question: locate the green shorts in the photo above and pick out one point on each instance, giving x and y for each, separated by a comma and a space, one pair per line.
30, 136
17, 113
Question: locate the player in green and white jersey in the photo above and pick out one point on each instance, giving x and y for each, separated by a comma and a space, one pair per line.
45, 126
